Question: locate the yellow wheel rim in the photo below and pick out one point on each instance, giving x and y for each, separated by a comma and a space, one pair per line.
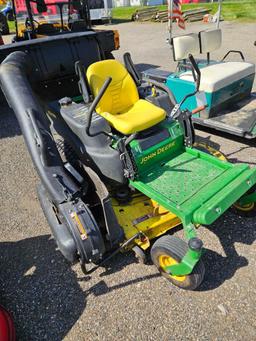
245, 208
165, 260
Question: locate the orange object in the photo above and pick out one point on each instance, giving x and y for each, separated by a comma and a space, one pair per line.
116, 39
196, 110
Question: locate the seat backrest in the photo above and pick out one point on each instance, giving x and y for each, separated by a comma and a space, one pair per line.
122, 92
184, 45
210, 40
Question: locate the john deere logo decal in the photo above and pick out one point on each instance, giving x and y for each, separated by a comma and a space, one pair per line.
157, 152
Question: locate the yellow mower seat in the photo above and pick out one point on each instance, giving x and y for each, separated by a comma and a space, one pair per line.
120, 104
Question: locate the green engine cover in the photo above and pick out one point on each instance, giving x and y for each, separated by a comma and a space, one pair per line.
151, 151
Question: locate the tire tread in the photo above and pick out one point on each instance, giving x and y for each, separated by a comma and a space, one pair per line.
178, 248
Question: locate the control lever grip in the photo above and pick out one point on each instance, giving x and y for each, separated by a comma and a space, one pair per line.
79, 68
194, 64
95, 103
131, 68
197, 70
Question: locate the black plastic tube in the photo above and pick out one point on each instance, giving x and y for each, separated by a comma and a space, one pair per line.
35, 126
94, 105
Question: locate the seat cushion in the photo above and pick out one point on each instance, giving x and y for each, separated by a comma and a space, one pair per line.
184, 45
140, 116
210, 40
219, 75
122, 91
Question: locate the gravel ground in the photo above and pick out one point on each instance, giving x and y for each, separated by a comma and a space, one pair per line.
51, 300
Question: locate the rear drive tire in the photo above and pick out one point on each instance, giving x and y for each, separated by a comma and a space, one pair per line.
4, 27
169, 250
248, 210
109, 55
203, 147
10, 16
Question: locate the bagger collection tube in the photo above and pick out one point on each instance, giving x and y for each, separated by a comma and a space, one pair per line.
35, 126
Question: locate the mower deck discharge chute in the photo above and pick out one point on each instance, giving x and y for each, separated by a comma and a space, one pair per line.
116, 162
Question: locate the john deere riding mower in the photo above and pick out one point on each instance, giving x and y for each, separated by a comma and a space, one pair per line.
117, 166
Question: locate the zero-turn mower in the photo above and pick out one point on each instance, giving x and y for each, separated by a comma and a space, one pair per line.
117, 165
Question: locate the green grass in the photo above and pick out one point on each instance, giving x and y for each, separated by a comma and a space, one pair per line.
241, 11
11, 26
244, 11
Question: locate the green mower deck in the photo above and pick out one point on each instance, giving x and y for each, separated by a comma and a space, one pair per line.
195, 186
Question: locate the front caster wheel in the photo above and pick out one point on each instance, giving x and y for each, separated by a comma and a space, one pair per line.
169, 250
140, 254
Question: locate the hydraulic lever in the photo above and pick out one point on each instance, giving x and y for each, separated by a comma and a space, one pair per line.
79, 68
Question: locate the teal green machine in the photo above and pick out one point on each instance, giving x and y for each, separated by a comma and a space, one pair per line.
225, 97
